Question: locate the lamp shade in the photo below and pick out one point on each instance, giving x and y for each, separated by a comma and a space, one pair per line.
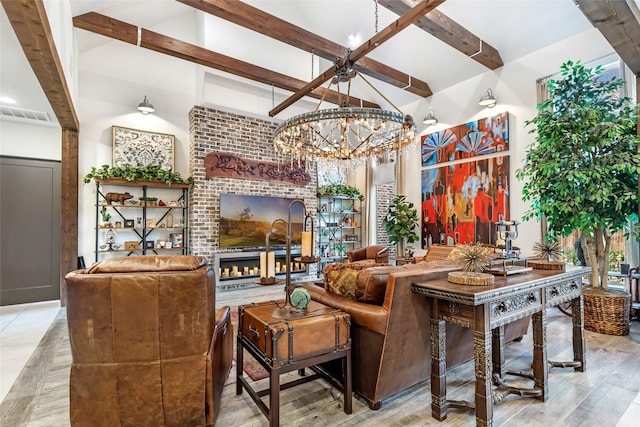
146, 107
431, 119
488, 100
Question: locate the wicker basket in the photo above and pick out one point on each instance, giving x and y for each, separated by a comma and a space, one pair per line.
606, 312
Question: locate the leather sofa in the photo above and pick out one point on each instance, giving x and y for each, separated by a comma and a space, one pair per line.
148, 346
372, 252
390, 329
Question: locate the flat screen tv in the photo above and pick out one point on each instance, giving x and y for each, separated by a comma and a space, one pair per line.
244, 221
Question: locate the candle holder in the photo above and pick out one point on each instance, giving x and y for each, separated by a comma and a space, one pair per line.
267, 258
308, 238
505, 263
289, 311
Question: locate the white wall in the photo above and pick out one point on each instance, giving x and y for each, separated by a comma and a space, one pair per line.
20, 138
514, 85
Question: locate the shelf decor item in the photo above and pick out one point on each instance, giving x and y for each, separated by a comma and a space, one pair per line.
582, 174
549, 254
176, 240
131, 245
105, 217
472, 258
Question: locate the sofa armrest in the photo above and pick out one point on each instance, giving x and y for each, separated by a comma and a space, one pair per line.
370, 316
356, 254
383, 255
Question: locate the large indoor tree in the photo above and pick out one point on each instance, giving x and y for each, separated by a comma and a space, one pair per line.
582, 171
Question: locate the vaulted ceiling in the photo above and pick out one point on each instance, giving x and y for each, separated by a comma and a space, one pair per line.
275, 43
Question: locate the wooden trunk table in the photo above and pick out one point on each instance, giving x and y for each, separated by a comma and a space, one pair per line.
486, 309
318, 335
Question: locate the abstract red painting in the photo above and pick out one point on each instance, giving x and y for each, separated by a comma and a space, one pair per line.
461, 201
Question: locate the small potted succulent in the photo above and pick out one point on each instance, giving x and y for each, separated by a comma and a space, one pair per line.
106, 217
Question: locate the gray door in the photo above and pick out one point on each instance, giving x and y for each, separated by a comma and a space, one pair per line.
29, 230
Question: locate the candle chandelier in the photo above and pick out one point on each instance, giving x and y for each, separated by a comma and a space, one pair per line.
345, 134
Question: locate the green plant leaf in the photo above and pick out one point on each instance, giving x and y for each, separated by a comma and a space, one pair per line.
137, 172
401, 221
582, 171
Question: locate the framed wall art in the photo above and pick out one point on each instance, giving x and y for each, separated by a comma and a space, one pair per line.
132, 146
460, 202
484, 136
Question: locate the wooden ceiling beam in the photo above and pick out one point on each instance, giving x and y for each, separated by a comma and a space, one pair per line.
269, 25
128, 33
618, 24
450, 32
31, 25
383, 35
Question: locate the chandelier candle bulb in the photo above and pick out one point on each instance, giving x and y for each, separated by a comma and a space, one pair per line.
306, 244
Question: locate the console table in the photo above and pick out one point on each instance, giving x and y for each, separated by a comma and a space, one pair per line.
487, 309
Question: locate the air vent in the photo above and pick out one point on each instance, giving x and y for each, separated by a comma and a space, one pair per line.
22, 113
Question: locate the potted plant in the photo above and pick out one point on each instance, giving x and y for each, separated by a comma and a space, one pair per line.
137, 172
340, 249
340, 190
400, 223
105, 217
582, 172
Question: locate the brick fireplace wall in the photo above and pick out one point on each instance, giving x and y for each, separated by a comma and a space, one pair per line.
247, 137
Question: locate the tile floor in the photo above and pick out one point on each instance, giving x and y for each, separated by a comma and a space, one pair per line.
22, 326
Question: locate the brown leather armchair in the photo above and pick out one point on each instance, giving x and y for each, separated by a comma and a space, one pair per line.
390, 335
148, 346
376, 253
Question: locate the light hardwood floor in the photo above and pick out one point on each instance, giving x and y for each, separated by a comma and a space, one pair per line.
602, 396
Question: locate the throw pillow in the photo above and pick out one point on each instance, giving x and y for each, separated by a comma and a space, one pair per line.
437, 252
371, 284
340, 279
